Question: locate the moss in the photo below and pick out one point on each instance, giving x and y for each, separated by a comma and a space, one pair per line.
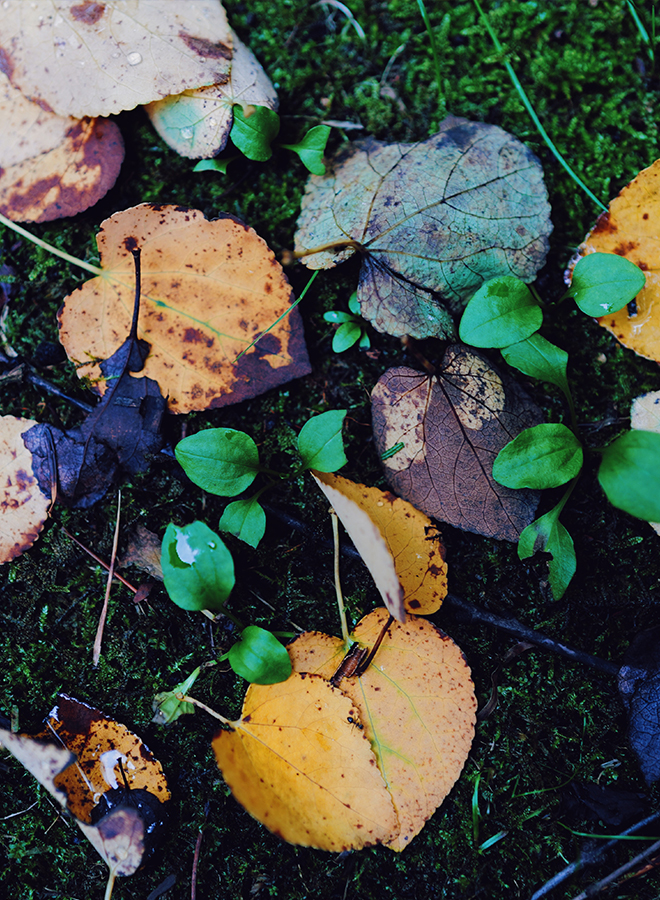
592, 82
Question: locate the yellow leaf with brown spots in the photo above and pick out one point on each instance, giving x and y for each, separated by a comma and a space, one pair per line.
630, 228
24, 507
416, 705
209, 289
410, 536
298, 763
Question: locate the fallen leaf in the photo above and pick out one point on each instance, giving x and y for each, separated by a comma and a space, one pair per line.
446, 431
411, 538
52, 166
24, 505
104, 775
298, 763
432, 221
209, 289
92, 58
143, 551
639, 688
416, 704
628, 229
197, 123
645, 415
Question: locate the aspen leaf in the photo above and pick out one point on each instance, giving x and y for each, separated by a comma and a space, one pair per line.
298, 763
447, 430
197, 123
24, 506
411, 539
209, 288
432, 221
416, 704
92, 58
629, 229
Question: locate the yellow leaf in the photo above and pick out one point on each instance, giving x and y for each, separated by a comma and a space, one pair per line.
411, 538
297, 761
417, 706
208, 290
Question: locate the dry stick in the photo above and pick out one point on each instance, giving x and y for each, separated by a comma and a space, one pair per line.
111, 572
100, 561
198, 846
596, 888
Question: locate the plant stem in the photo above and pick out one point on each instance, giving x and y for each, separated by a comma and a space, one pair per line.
111, 574
530, 109
184, 698
340, 596
49, 247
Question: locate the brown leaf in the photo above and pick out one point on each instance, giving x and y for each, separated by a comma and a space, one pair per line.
629, 228
431, 220
143, 551
451, 428
24, 505
93, 58
410, 536
208, 290
52, 166
197, 123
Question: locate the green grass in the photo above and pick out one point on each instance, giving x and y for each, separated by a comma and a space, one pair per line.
589, 74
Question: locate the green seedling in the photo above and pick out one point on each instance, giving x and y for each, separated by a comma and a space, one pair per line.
505, 314
352, 328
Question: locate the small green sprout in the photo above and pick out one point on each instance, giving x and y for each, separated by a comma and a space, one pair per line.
352, 328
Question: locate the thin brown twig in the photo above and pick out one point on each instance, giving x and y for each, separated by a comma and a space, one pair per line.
100, 561
111, 572
598, 886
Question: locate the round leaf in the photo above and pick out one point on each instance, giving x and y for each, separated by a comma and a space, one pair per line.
320, 441
544, 456
630, 474
198, 570
221, 461
604, 283
245, 519
503, 311
345, 336
259, 657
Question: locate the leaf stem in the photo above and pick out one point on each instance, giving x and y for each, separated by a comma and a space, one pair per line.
184, 698
49, 247
530, 109
340, 596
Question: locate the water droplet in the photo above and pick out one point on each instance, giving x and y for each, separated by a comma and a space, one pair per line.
186, 133
116, 54
212, 545
81, 63
212, 121
5, 5
134, 58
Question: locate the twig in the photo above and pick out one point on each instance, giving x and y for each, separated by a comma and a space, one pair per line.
596, 888
340, 596
111, 572
100, 561
198, 845
40, 382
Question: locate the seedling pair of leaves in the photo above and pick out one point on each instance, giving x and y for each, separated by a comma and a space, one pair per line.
504, 313
351, 329
253, 131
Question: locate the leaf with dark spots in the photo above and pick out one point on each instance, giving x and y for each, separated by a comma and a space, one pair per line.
432, 221
446, 431
639, 687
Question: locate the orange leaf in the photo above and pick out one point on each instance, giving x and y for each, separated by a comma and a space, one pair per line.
410, 536
208, 290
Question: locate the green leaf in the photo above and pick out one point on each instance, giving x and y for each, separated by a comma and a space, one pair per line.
214, 165
336, 315
548, 534
198, 570
245, 519
365, 341
503, 311
259, 657
604, 283
544, 456
167, 707
345, 336
538, 358
253, 132
311, 148
219, 460
630, 474
354, 303
320, 442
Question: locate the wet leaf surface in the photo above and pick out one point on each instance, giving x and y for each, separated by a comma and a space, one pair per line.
452, 426
416, 214
639, 688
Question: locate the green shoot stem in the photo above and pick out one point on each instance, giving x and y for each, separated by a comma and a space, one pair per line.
278, 320
567, 493
434, 49
340, 596
530, 109
184, 698
50, 248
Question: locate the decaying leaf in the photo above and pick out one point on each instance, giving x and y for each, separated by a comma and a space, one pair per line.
197, 123
104, 775
438, 437
645, 415
410, 536
298, 763
52, 166
143, 551
639, 688
24, 505
432, 221
209, 288
628, 228
416, 705
98, 57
